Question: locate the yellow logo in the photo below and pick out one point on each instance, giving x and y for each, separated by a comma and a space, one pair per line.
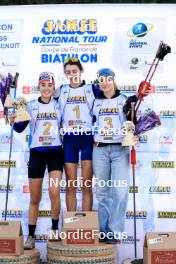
163, 164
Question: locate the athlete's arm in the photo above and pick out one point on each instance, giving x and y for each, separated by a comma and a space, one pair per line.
57, 93
20, 126
96, 90
127, 106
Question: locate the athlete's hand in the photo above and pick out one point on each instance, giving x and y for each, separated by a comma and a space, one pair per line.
144, 89
136, 141
11, 118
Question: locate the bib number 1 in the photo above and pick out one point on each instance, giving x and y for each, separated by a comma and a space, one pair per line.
77, 110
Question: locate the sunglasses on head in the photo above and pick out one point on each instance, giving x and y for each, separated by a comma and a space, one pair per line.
71, 59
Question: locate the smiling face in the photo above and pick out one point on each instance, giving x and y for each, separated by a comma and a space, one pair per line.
46, 89
106, 83
73, 74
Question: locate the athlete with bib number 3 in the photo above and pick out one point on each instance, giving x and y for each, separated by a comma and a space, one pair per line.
45, 150
110, 160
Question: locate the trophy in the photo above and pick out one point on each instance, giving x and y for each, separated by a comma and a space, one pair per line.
21, 113
129, 129
8, 101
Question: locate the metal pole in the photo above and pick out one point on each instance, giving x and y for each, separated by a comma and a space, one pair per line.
10, 151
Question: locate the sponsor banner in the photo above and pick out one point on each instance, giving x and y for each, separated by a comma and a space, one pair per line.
10, 36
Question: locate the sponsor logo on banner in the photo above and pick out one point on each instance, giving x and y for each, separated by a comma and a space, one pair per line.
5, 164
139, 215
160, 190
168, 114
164, 89
10, 35
130, 240
132, 190
165, 139
163, 164
13, 213
26, 90
3, 188
5, 142
45, 189
1, 114
143, 138
27, 138
134, 63
26, 188
9, 62
44, 213
127, 88
30, 89
165, 214
41, 238
137, 32
5, 139
69, 38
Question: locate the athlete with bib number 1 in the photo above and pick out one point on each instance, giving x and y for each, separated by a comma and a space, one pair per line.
76, 102
45, 150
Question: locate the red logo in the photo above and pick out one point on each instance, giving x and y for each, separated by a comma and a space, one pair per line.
1, 114
25, 188
163, 257
153, 88
71, 122
41, 139
26, 90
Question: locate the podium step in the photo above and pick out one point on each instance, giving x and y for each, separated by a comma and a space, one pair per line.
132, 261
29, 257
58, 249
95, 254
53, 259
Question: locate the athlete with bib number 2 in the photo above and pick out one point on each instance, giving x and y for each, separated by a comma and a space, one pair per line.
45, 150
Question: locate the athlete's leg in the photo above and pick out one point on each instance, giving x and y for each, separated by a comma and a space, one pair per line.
36, 171
35, 187
54, 192
71, 158
87, 172
87, 195
71, 176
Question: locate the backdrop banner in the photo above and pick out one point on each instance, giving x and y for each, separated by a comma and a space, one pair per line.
122, 37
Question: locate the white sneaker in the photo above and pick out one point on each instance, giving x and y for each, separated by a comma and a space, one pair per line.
30, 243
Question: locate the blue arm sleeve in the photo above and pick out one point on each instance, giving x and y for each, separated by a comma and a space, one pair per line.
20, 126
96, 90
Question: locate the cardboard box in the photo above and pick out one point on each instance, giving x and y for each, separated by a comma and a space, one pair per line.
11, 238
160, 248
80, 228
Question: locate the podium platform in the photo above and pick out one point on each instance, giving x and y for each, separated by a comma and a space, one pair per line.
130, 261
101, 254
29, 257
